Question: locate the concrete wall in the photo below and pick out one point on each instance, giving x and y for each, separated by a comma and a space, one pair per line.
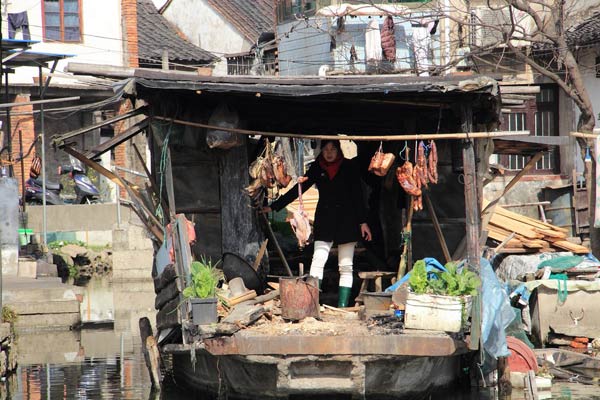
305, 48
102, 39
207, 29
9, 225
89, 223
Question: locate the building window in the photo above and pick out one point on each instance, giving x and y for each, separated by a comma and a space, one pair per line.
62, 20
540, 116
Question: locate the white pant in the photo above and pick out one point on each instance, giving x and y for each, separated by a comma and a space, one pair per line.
421, 44
345, 260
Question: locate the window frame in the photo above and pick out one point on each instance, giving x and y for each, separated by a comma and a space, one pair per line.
62, 23
530, 109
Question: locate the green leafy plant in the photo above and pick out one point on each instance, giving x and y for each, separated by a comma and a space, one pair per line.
203, 281
448, 283
418, 278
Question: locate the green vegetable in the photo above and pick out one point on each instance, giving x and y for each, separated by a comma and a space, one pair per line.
418, 278
204, 279
448, 283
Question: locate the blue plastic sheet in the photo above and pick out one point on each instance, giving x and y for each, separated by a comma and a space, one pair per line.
431, 266
497, 313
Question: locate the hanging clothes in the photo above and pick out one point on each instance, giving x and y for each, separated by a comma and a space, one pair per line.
421, 41
388, 39
18, 21
373, 42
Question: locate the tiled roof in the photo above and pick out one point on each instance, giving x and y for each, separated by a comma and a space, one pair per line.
586, 33
155, 34
250, 17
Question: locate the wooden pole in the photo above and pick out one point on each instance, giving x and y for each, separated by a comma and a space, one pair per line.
472, 220
404, 258
150, 351
437, 228
413, 136
276, 243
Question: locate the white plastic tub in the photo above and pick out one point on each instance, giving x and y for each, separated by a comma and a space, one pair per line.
436, 313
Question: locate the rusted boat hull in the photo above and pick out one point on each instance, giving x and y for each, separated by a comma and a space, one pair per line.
285, 377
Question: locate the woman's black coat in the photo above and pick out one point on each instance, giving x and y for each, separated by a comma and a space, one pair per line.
340, 209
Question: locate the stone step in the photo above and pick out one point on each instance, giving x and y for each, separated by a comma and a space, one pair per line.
17, 290
18, 295
45, 307
46, 322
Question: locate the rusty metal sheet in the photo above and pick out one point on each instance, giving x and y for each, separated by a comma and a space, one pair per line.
405, 345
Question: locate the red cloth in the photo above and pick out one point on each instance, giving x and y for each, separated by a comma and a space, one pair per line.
332, 167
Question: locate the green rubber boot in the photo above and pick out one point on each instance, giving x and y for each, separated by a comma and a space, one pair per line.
343, 296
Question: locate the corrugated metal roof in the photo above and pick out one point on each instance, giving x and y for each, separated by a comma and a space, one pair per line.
251, 18
156, 34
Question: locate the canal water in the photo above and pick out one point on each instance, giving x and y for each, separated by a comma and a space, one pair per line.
105, 362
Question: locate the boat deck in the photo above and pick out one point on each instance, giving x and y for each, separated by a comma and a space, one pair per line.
333, 334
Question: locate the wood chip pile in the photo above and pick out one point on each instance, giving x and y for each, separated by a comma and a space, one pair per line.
531, 235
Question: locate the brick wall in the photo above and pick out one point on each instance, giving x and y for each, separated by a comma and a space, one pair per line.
26, 125
129, 12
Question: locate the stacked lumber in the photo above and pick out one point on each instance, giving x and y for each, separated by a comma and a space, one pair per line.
530, 235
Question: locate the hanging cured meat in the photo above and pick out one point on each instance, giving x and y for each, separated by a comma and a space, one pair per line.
432, 171
300, 223
421, 167
268, 171
405, 176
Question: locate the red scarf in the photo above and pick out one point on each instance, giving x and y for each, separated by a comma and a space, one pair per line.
332, 167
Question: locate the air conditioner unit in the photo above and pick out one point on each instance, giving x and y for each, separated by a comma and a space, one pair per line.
491, 26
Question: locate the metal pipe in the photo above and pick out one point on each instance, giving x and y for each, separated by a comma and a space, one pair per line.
26, 103
118, 201
43, 141
22, 169
11, 171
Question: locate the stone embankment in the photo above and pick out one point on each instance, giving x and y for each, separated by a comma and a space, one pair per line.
8, 350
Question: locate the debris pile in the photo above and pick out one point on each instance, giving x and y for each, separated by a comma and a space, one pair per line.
526, 234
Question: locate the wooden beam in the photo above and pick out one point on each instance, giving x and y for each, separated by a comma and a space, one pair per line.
472, 220
414, 136
117, 139
59, 140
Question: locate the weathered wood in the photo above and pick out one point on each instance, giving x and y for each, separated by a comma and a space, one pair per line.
472, 216
241, 316
169, 315
232, 301
150, 351
266, 297
151, 180
239, 224
504, 385
260, 255
167, 276
377, 138
167, 294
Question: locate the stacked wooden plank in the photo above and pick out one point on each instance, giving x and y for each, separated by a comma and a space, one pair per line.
530, 235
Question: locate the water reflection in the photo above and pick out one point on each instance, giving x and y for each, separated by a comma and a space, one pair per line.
108, 363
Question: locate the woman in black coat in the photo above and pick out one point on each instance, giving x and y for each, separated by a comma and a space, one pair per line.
340, 217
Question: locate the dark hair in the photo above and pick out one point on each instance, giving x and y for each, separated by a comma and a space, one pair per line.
335, 143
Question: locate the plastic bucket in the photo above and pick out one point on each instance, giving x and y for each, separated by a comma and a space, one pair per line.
299, 298
204, 311
436, 313
25, 236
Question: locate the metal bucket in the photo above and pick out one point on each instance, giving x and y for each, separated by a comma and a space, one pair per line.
299, 297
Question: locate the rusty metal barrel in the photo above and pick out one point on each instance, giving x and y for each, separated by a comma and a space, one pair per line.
299, 297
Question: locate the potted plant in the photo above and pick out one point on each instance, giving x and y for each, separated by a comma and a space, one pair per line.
201, 291
440, 300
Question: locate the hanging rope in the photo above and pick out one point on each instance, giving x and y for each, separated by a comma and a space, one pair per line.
162, 167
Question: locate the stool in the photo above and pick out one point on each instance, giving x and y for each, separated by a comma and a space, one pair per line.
366, 277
